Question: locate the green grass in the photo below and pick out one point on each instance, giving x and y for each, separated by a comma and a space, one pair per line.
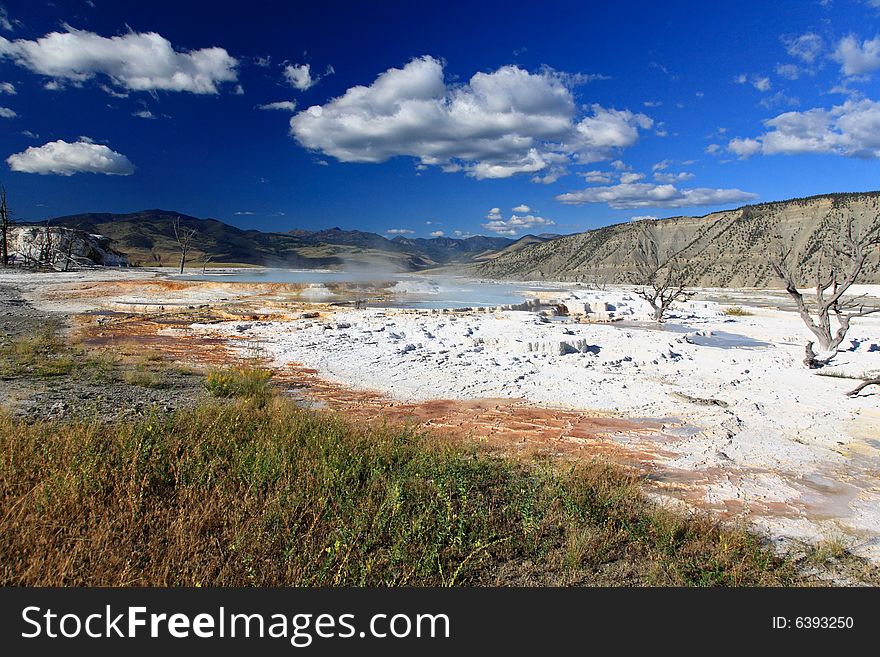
737, 311
245, 381
263, 493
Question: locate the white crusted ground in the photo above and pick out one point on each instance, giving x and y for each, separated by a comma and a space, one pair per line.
786, 434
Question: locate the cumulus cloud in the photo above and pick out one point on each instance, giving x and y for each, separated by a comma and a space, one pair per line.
283, 105
516, 224
399, 231
135, 61
6, 113
144, 114
806, 47
495, 125
437, 233
65, 159
851, 129
598, 177
7, 88
669, 177
630, 177
644, 217
646, 195
522, 209
300, 76
857, 58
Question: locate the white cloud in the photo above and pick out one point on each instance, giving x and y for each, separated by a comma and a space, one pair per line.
283, 105
598, 177
62, 158
779, 99
857, 58
620, 165
144, 114
551, 176
647, 195
516, 224
5, 23
644, 217
712, 149
7, 88
134, 61
743, 147
664, 177
522, 209
437, 233
630, 177
495, 125
761, 83
6, 113
807, 47
399, 231
244, 213
661, 165
788, 71
851, 129
300, 76
494, 214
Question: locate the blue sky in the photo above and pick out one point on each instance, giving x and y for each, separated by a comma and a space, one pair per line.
460, 118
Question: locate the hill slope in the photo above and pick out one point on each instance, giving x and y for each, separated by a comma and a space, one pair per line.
729, 248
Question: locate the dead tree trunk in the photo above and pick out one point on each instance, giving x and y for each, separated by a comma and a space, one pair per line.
847, 264
4, 228
183, 236
662, 280
862, 386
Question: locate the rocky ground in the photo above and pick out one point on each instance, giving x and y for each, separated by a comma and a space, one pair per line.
104, 388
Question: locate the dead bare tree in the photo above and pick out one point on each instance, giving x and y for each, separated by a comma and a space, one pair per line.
864, 384
662, 280
840, 267
4, 227
183, 236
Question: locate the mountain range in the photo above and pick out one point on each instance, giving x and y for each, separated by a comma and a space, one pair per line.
147, 238
731, 248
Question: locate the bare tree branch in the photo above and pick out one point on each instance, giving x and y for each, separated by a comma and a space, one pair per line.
662, 280
849, 255
870, 382
183, 236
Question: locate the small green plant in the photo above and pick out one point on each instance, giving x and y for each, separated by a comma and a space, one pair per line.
245, 381
737, 311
